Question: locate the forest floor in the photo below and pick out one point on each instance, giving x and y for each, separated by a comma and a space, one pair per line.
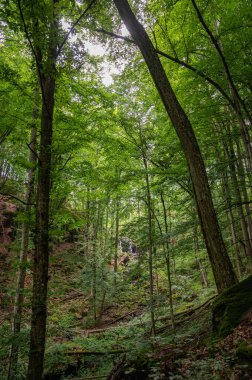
120, 339
189, 352
121, 336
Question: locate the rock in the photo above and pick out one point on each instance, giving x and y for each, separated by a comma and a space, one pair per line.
231, 307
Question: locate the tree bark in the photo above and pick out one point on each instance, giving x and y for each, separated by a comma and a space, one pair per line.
41, 255
221, 265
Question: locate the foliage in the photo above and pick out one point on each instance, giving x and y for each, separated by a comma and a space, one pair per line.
102, 132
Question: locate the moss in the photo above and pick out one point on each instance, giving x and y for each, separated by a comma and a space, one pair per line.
245, 350
229, 307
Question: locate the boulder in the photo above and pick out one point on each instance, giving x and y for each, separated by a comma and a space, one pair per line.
231, 307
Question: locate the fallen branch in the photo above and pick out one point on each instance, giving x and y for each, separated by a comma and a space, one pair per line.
74, 293
90, 378
96, 353
208, 301
98, 331
189, 311
189, 317
123, 316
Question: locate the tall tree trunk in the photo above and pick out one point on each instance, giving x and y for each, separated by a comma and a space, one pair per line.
227, 198
230, 153
103, 235
166, 250
168, 260
19, 297
94, 245
238, 260
221, 265
242, 176
41, 255
150, 244
86, 232
116, 242
230, 219
202, 270
106, 229
238, 103
139, 251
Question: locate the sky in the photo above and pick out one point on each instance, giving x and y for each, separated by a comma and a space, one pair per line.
109, 68
96, 49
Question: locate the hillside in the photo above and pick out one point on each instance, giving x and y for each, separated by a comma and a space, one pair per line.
125, 189
118, 342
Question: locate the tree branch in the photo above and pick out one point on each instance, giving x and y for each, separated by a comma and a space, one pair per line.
18, 199
235, 204
26, 32
66, 162
35, 153
37, 59
73, 26
223, 60
114, 35
176, 60
5, 134
199, 73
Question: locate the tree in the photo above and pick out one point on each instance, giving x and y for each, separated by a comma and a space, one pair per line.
220, 262
238, 103
19, 297
45, 44
47, 76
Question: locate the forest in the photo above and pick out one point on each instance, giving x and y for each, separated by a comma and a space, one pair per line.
125, 189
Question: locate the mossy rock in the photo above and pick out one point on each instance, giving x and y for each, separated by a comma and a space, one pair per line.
230, 307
